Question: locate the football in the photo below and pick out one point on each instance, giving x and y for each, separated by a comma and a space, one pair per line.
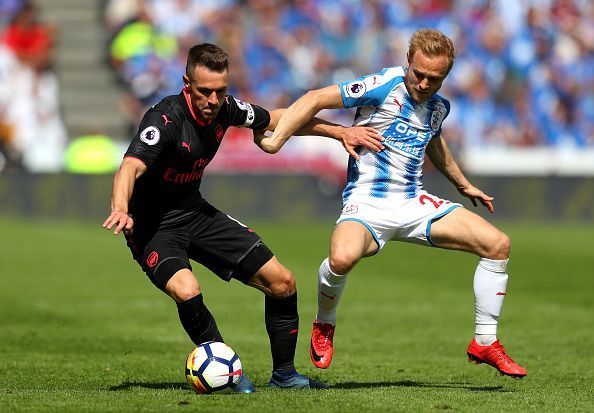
213, 367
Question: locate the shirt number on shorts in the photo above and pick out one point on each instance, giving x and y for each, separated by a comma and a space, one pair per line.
423, 199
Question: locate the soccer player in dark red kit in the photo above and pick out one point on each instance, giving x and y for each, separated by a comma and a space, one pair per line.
156, 203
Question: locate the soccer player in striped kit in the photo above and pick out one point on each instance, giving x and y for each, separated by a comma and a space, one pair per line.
384, 197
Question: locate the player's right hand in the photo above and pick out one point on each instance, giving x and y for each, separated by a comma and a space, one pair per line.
364, 136
122, 222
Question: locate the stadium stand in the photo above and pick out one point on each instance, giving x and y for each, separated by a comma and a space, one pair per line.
90, 94
518, 81
523, 78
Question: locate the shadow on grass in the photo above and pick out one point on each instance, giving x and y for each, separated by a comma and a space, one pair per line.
127, 385
410, 383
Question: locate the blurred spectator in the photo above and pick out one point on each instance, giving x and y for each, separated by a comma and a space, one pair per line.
524, 75
34, 134
30, 40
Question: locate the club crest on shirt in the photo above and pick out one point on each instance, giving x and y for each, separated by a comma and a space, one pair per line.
150, 135
437, 118
356, 89
350, 209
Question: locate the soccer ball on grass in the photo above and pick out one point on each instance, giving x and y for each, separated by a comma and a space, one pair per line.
213, 367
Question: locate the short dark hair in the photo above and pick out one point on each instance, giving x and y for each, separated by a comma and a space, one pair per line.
207, 55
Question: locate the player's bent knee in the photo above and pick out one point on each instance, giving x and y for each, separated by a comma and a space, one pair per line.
283, 285
504, 246
182, 286
185, 294
342, 262
499, 248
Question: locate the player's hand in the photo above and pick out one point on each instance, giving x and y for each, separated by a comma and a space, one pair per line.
259, 137
122, 222
473, 193
265, 142
364, 136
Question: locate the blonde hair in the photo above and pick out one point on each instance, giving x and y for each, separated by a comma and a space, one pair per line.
431, 43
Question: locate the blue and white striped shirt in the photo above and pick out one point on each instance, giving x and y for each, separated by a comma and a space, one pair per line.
407, 126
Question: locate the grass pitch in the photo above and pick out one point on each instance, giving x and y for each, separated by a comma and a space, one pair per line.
83, 330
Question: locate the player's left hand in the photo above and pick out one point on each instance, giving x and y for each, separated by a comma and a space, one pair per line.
364, 136
473, 193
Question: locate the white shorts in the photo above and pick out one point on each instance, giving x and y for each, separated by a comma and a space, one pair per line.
397, 219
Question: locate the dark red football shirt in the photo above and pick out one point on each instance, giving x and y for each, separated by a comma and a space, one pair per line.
176, 148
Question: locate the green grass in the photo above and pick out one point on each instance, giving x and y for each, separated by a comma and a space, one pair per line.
82, 329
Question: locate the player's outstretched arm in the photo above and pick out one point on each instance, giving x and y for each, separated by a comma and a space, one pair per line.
123, 185
299, 114
299, 119
349, 137
439, 153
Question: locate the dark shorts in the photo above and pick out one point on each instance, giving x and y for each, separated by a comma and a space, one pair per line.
220, 243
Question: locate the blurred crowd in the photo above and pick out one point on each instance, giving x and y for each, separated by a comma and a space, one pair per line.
524, 73
32, 134
523, 76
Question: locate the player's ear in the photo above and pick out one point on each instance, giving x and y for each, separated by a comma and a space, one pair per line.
186, 81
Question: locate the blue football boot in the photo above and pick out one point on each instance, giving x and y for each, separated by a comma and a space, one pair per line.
293, 380
245, 385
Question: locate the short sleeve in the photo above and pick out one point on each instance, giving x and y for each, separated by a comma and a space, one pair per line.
246, 115
371, 90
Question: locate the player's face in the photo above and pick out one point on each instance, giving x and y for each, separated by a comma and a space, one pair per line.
207, 91
424, 75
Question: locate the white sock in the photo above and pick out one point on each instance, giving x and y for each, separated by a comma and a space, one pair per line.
330, 287
490, 287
